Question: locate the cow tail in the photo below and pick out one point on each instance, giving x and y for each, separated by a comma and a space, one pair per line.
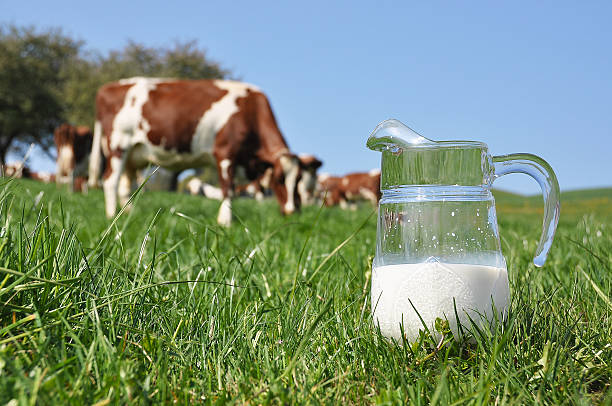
95, 159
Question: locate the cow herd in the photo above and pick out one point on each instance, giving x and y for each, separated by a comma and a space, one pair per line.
185, 124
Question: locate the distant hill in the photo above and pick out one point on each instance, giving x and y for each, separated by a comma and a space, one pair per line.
509, 197
566, 196
573, 202
582, 194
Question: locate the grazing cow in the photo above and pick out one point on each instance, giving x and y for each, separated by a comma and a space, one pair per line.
16, 170
351, 187
180, 124
73, 148
19, 170
329, 188
362, 185
308, 183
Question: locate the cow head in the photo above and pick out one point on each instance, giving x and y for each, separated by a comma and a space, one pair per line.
83, 141
64, 134
64, 141
329, 189
284, 181
308, 183
73, 147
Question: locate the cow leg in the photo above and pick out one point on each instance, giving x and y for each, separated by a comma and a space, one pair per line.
259, 195
69, 181
211, 192
80, 185
95, 158
336, 197
116, 165
65, 165
125, 186
226, 181
306, 188
174, 181
263, 185
62, 178
326, 197
302, 191
255, 190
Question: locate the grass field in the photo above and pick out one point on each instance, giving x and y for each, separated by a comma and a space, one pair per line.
164, 306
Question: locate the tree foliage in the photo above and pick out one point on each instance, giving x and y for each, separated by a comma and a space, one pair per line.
47, 77
32, 78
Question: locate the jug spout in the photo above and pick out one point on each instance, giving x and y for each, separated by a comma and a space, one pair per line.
392, 135
409, 159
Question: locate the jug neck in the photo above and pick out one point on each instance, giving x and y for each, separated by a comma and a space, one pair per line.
448, 164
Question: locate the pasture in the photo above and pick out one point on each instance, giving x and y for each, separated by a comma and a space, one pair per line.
164, 305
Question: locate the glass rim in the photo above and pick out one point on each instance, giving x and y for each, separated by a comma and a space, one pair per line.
452, 144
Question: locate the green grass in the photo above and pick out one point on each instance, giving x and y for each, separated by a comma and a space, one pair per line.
164, 306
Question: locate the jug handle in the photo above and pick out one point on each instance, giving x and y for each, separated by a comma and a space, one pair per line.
541, 171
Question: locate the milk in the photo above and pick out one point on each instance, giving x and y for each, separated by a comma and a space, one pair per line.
431, 287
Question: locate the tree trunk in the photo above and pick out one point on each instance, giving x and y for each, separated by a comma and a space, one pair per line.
174, 181
5, 143
3, 157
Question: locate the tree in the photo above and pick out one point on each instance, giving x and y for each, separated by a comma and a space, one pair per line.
33, 67
187, 61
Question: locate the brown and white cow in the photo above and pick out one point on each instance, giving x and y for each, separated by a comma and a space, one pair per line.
16, 170
350, 188
363, 185
180, 124
73, 144
20, 171
329, 189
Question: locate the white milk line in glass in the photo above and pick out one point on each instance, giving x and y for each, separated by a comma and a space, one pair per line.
431, 286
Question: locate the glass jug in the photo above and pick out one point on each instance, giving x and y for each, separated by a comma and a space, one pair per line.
438, 251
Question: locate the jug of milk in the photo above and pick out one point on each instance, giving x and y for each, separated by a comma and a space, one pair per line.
438, 252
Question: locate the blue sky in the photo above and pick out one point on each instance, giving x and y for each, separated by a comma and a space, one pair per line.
521, 76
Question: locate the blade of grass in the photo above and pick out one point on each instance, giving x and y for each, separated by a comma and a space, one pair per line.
597, 289
339, 247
